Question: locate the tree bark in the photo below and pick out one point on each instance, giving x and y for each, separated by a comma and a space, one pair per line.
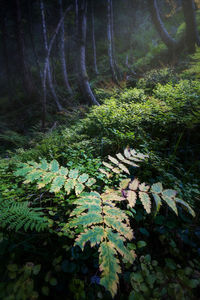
47, 70
191, 35
155, 15
83, 81
62, 51
110, 41
26, 77
5, 54
94, 40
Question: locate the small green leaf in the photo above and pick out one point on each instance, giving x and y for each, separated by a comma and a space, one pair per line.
69, 185
157, 188
64, 171
73, 173
141, 244
158, 201
169, 193
53, 281
44, 165
57, 184
83, 178
146, 201
79, 187
124, 183
36, 269
90, 182
186, 206
54, 166
171, 203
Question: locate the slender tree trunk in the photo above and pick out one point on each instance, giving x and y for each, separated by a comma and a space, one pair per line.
26, 77
191, 36
83, 81
62, 50
155, 14
94, 40
110, 40
47, 70
5, 54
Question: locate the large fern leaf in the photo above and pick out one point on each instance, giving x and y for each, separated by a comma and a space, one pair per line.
57, 177
106, 225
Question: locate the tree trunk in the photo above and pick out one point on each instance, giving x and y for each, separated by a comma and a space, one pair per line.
155, 14
191, 35
83, 81
26, 77
62, 50
94, 40
47, 70
110, 40
5, 54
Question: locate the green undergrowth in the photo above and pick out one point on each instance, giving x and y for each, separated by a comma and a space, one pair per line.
160, 117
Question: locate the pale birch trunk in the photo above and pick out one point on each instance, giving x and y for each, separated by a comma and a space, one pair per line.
47, 70
110, 40
62, 52
83, 81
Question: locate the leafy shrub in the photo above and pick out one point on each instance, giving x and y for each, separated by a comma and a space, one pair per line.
154, 281
183, 98
154, 77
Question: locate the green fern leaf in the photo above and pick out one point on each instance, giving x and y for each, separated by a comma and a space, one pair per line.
186, 206
54, 166
94, 235
79, 187
146, 201
83, 178
131, 197
126, 161
69, 185
134, 184
158, 201
110, 267
46, 179
117, 225
63, 171
90, 182
87, 219
33, 176
157, 188
74, 173
143, 187
171, 203
124, 183
117, 242
169, 193
57, 184
44, 165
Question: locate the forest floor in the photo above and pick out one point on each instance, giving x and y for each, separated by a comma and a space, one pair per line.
158, 116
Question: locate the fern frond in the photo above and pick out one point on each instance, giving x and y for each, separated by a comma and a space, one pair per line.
110, 267
18, 216
129, 158
105, 225
45, 173
144, 193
